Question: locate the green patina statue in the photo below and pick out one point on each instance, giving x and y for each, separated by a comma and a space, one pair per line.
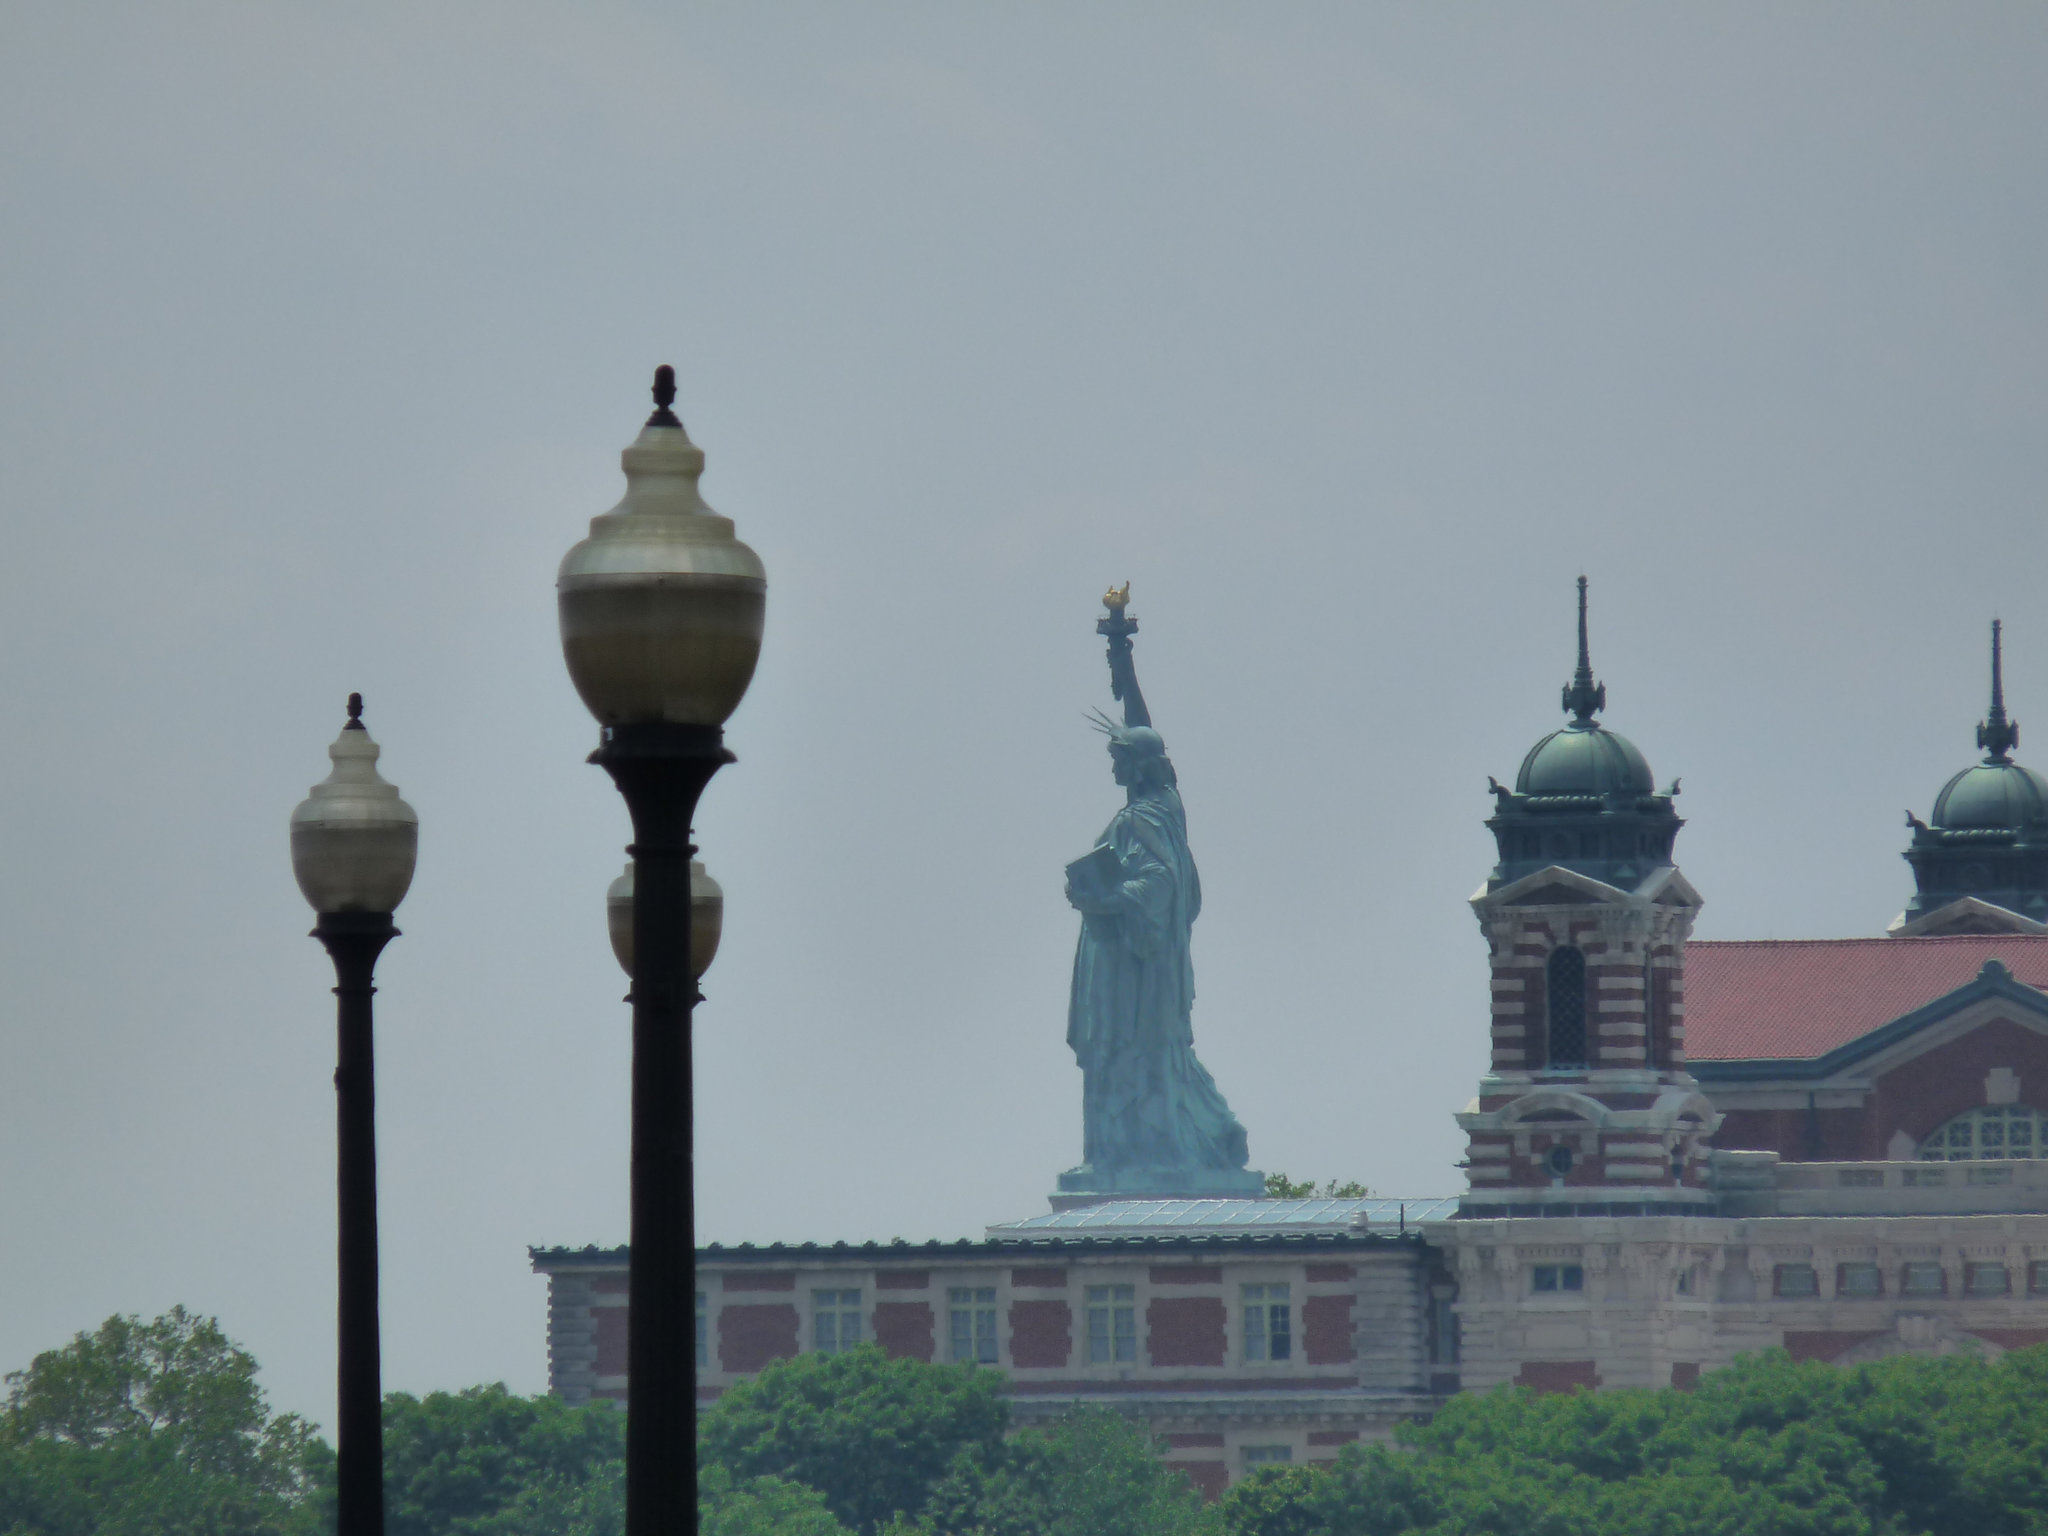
1154, 1123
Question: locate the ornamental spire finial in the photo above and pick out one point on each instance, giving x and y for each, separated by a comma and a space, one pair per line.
1583, 697
664, 397
355, 713
1998, 735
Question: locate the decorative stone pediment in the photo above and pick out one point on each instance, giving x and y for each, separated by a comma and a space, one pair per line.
1968, 914
1921, 1333
1557, 886
1667, 887
1553, 885
1554, 1106
1552, 895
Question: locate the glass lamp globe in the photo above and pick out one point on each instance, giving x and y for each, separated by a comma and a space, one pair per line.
661, 606
353, 840
707, 918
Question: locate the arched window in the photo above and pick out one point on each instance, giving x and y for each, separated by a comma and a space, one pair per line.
1996, 1132
1565, 982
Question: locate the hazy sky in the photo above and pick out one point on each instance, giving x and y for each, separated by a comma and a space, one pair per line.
1350, 334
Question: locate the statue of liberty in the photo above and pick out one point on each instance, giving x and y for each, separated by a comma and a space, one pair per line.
1153, 1122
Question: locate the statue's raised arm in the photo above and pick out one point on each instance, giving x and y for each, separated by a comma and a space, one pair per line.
1117, 628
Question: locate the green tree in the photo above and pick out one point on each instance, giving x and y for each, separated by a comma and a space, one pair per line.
485, 1462
155, 1429
1768, 1447
760, 1506
873, 1435
1280, 1187
1093, 1473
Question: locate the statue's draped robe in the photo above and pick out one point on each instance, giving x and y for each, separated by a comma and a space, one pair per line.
1146, 1100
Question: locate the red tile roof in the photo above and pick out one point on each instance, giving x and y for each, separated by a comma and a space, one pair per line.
1801, 998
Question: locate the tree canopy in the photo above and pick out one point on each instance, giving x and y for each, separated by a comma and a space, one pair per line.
484, 1462
1906, 1447
155, 1429
159, 1429
1094, 1472
1281, 1187
873, 1435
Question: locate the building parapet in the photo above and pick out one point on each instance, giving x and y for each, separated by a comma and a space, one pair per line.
1760, 1184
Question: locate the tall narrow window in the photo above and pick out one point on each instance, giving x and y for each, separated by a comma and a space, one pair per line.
1565, 976
1443, 1330
1652, 1014
1268, 1323
703, 1350
973, 1321
1112, 1324
835, 1321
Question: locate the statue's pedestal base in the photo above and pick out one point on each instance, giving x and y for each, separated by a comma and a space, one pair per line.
1092, 1186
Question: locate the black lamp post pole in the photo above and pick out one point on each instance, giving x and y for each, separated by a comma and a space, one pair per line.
661, 770
354, 940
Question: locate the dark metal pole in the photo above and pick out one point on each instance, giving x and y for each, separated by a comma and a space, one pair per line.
354, 940
661, 770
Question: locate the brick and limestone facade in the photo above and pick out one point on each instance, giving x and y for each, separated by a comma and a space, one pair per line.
1234, 1347
1588, 1105
1837, 1272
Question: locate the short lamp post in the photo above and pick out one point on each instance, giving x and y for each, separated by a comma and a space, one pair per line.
353, 846
661, 612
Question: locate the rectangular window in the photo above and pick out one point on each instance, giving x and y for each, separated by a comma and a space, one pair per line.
1443, 1334
1987, 1280
2037, 1279
1797, 1280
973, 1324
1267, 1455
703, 1354
1557, 1277
835, 1321
1685, 1282
1922, 1279
1112, 1324
1859, 1280
1268, 1323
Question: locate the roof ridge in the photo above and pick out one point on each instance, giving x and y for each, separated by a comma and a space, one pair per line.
1888, 943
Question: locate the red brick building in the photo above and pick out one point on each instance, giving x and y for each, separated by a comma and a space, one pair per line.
1874, 1049
1243, 1332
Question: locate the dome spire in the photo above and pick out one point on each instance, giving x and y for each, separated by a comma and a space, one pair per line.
1998, 735
1583, 697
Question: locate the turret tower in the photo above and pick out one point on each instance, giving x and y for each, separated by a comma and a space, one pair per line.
1588, 1106
1980, 863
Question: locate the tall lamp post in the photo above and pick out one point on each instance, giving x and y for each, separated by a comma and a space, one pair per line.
353, 846
661, 626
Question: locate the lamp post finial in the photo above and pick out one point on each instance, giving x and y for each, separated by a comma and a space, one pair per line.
664, 397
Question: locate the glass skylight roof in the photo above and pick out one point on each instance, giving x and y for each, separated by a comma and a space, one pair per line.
1159, 1218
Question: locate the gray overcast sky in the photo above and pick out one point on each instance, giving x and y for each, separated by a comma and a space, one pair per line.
1349, 333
